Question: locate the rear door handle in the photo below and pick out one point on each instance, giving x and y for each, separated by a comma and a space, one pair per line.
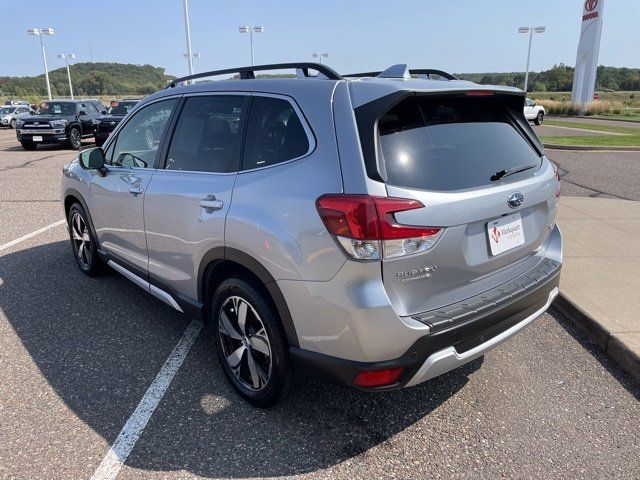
210, 203
136, 190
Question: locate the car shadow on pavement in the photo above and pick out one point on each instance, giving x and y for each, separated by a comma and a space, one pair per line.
99, 342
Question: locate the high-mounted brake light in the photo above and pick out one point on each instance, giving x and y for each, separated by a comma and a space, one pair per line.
479, 93
366, 227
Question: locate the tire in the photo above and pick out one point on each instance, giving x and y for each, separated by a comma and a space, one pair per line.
29, 145
539, 118
13, 123
260, 340
75, 138
83, 243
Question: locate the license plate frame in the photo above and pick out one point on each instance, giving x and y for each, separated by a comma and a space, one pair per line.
505, 233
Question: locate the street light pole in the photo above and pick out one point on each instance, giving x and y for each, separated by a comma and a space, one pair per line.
320, 56
250, 29
66, 57
194, 56
188, 31
530, 31
40, 32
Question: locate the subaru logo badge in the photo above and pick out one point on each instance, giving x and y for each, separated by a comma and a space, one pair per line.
36, 123
515, 199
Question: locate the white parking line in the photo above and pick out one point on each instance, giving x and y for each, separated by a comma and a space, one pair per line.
130, 433
31, 235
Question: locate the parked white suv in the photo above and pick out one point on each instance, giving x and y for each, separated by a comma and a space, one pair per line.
534, 112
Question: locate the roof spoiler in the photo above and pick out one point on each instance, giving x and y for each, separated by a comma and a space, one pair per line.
399, 71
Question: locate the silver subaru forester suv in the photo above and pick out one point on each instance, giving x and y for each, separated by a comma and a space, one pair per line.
374, 229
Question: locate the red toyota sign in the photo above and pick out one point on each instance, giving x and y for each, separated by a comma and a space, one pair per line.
590, 11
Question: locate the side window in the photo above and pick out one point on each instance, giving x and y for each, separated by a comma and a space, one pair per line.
137, 142
208, 134
274, 134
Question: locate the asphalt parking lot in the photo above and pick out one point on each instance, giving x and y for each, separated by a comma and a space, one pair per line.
78, 355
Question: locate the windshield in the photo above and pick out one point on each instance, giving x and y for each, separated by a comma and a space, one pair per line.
56, 108
451, 143
121, 108
6, 111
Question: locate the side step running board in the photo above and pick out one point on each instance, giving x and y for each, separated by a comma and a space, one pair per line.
152, 289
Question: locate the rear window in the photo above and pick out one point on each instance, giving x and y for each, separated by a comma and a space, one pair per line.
451, 143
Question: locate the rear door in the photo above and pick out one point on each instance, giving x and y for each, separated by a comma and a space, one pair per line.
458, 155
189, 196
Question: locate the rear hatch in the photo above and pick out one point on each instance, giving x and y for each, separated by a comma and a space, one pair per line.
472, 160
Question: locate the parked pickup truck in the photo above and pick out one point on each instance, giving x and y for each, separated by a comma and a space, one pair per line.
533, 112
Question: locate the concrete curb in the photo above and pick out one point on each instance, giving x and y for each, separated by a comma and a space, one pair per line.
620, 352
592, 117
585, 148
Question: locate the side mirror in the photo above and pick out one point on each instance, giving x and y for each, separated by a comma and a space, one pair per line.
82, 112
93, 158
103, 112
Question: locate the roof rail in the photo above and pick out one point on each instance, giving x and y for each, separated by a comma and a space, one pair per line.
248, 73
414, 71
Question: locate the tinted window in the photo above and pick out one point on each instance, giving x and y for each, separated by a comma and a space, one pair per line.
137, 142
56, 108
450, 143
121, 108
274, 134
208, 134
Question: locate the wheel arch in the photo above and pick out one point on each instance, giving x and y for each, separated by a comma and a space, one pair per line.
71, 196
222, 262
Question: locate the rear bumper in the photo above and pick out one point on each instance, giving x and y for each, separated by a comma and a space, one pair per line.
488, 320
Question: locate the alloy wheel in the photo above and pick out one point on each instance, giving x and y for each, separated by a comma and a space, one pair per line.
245, 343
81, 239
76, 142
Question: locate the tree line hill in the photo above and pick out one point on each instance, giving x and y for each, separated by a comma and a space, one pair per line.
118, 79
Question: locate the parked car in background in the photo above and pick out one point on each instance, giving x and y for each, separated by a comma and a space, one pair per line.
375, 230
9, 114
105, 124
59, 122
16, 102
534, 112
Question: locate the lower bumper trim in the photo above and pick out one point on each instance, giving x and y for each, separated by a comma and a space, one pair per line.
449, 359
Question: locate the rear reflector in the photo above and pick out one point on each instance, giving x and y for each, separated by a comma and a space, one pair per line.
378, 378
366, 227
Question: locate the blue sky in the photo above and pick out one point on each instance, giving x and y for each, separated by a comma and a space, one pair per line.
454, 35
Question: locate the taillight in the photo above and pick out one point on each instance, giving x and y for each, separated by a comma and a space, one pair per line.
556, 172
366, 227
378, 378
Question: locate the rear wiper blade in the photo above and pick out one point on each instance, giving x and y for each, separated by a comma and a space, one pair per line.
510, 171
